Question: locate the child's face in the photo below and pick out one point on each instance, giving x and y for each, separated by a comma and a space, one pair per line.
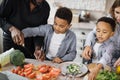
103, 31
60, 25
117, 14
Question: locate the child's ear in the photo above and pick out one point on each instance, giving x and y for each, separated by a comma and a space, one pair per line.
69, 25
112, 33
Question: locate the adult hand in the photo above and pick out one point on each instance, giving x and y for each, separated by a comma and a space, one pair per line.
117, 63
87, 52
94, 70
39, 54
92, 75
57, 60
17, 36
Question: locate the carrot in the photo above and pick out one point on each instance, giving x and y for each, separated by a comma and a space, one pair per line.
32, 75
27, 73
28, 69
28, 65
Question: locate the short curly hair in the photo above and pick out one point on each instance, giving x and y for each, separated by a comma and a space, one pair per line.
64, 13
109, 21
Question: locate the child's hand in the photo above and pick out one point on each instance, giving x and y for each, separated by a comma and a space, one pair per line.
39, 54
87, 52
57, 60
117, 63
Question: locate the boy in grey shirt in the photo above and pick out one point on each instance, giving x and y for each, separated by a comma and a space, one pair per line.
59, 41
102, 46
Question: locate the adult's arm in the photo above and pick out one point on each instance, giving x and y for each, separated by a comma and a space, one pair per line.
36, 31
6, 8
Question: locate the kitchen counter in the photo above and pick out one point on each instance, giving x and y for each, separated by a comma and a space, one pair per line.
61, 77
36, 62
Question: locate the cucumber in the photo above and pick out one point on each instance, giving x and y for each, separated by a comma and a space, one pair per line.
73, 69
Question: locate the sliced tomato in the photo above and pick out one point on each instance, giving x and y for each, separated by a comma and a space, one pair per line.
46, 77
43, 69
40, 66
50, 68
54, 72
38, 76
18, 68
22, 74
19, 72
13, 70
22, 69
16, 71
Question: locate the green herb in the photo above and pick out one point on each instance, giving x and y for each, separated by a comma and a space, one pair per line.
107, 75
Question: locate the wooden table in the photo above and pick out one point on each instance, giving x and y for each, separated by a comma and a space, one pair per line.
36, 62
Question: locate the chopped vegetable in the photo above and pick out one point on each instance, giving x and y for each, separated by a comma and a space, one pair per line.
73, 69
17, 58
107, 75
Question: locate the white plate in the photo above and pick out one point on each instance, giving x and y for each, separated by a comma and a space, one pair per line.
83, 68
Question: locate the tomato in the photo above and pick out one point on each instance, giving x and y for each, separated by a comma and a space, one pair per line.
40, 66
16, 71
54, 72
50, 68
46, 77
13, 70
32, 75
19, 72
22, 69
22, 74
43, 69
38, 76
18, 68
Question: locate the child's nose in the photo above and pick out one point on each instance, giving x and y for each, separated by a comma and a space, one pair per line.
100, 34
118, 16
57, 27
